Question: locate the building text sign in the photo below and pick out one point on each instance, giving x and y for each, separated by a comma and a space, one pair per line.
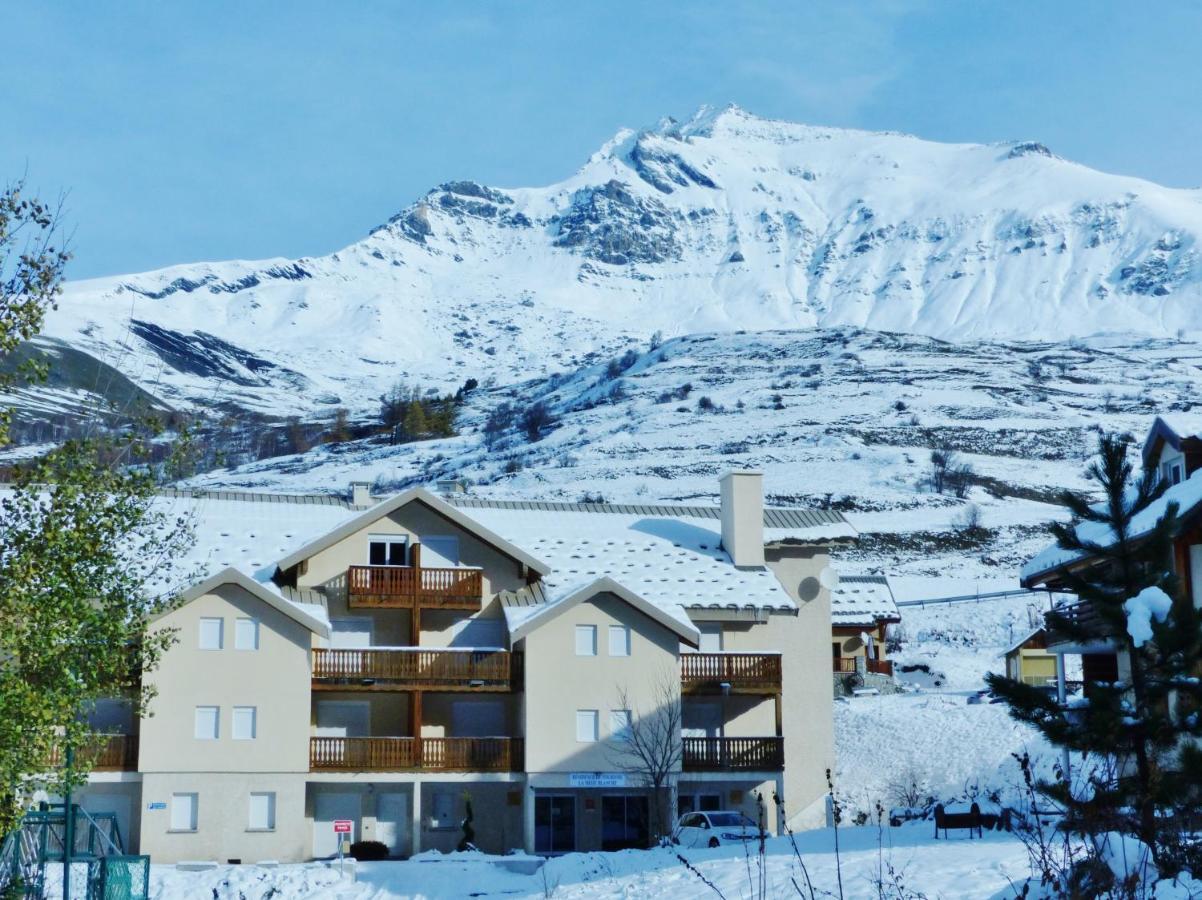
342, 826
597, 780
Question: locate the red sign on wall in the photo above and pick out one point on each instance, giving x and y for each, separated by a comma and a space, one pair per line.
342, 826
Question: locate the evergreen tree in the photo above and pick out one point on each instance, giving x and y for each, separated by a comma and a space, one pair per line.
1137, 760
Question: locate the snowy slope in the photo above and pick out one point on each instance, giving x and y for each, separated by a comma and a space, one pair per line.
724, 222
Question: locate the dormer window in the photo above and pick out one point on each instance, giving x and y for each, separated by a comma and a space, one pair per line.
1170, 472
387, 550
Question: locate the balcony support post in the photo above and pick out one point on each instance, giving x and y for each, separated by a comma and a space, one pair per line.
415, 625
528, 817
415, 819
415, 725
779, 715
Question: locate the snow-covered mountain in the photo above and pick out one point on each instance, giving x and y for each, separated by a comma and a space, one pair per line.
725, 222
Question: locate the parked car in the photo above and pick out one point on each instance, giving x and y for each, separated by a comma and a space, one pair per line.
713, 829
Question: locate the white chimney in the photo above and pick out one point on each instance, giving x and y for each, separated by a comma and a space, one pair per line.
743, 517
361, 494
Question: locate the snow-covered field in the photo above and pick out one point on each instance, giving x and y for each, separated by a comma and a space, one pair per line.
954, 868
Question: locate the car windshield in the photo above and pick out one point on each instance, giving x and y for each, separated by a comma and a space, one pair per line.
730, 820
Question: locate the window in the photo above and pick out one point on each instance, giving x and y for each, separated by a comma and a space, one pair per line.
206, 722
211, 634
619, 724
183, 812
442, 813
244, 723
262, 812
586, 640
246, 634
619, 640
387, 550
711, 637
586, 726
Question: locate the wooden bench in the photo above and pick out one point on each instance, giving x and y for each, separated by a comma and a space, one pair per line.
970, 820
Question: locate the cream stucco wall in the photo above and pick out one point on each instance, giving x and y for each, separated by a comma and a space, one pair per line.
558, 683
808, 712
274, 679
223, 816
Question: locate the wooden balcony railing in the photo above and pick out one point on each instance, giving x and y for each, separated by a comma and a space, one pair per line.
879, 666
109, 753
844, 664
395, 754
1082, 616
403, 587
760, 754
410, 669
747, 673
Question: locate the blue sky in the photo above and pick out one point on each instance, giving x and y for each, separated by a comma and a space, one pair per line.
187, 131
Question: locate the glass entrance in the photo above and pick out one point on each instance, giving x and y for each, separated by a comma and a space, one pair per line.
554, 824
623, 822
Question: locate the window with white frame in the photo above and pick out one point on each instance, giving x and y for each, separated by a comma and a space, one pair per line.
619, 724
619, 640
207, 719
586, 726
387, 550
262, 811
586, 640
183, 812
246, 634
211, 636
245, 723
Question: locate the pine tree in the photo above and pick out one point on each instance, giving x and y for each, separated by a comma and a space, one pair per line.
1134, 733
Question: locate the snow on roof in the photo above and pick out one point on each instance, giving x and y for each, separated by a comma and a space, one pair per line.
1187, 495
1173, 428
780, 523
674, 562
1026, 637
863, 600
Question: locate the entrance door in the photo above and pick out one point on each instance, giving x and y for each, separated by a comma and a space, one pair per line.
623, 822
328, 806
343, 718
554, 824
392, 822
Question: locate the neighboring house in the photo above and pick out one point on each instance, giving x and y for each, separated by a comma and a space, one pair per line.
380, 663
862, 607
1174, 451
1029, 660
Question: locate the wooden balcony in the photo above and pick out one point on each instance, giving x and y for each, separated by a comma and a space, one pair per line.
1080, 615
741, 673
406, 587
406, 754
416, 669
846, 665
745, 754
108, 753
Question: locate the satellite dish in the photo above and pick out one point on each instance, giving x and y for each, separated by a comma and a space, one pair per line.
828, 578
808, 589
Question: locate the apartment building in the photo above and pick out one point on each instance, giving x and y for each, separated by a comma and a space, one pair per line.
386, 662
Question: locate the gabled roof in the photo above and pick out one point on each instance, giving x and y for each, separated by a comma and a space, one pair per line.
1187, 495
1171, 430
1022, 641
420, 495
529, 618
863, 600
255, 589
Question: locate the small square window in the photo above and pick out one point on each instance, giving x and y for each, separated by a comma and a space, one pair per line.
586, 726
619, 724
246, 634
619, 640
211, 636
183, 812
586, 640
207, 727
262, 812
244, 723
